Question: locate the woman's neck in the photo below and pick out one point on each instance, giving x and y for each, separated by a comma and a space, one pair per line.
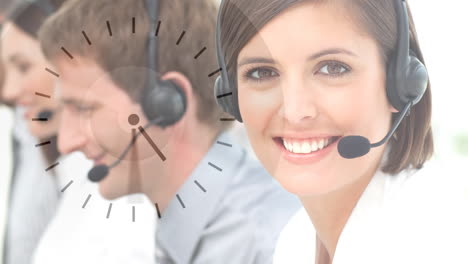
330, 212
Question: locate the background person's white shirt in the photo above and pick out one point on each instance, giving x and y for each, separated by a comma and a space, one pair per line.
413, 217
85, 235
6, 162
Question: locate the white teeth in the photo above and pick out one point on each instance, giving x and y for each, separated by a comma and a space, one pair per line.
305, 147
314, 146
296, 147
321, 144
287, 145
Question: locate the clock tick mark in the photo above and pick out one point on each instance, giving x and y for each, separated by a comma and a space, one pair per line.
86, 202
86, 37
66, 187
180, 201
224, 95
43, 144
52, 72
200, 186
180, 38
157, 29
157, 210
109, 210
227, 119
224, 143
109, 29
214, 166
42, 95
52, 166
68, 53
133, 214
215, 72
40, 119
200, 53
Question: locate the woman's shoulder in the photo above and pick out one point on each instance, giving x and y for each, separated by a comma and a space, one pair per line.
296, 243
437, 179
428, 208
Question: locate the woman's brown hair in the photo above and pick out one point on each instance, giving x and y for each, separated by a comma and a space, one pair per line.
29, 17
413, 143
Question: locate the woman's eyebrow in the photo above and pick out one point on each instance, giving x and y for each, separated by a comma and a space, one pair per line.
314, 56
255, 60
330, 52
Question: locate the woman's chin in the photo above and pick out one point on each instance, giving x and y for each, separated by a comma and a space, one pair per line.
307, 184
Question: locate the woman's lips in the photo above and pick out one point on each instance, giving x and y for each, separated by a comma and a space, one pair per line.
307, 158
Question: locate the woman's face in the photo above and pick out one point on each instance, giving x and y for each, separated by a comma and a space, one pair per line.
309, 77
25, 77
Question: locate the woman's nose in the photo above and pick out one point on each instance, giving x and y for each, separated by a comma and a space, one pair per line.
299, 102
11, 90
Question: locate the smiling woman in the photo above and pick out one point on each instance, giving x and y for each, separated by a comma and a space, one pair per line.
306, 74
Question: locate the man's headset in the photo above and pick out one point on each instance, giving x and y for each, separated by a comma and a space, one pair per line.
163, 102
407, 80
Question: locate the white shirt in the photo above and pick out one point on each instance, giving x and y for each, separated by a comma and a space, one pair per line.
6, 163
33, 198
417, 216
85, 235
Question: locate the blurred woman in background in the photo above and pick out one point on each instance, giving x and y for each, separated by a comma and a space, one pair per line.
46, 221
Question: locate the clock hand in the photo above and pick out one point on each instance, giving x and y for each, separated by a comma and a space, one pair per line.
150, 141
98, 173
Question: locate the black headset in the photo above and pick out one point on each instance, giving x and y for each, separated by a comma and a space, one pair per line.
407, 77
163, 101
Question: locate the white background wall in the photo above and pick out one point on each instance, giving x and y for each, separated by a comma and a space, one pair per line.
443, 32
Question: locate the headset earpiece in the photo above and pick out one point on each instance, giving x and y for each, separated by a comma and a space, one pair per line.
407, 77
163, 102
225, 100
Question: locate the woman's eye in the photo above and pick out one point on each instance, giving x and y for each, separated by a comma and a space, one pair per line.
260, 74
334, 69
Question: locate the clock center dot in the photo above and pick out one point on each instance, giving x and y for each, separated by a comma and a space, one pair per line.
133, 119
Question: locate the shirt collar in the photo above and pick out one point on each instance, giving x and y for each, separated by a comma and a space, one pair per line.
180, 229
